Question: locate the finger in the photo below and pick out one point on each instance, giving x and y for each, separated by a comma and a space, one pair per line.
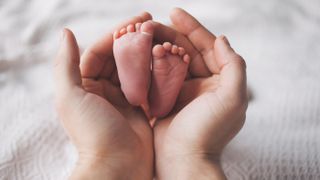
106, 89
66, 70
164, 33
232, 73
202, 39
97, 61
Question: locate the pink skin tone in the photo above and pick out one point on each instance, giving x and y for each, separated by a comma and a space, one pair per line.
169, 68
132, 52
115, 140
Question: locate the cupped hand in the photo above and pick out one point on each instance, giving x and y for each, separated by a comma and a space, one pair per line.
113, 139
211, 107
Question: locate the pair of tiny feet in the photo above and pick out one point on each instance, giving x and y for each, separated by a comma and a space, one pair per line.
151, 76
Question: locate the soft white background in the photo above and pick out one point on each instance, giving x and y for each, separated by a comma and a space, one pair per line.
278, 39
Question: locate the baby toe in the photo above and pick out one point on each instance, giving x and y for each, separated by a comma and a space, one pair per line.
181, 51
130, 28
167, 46
116, 35
186, 58
158, 51
138, 26
123, 31
147, 27
174, 49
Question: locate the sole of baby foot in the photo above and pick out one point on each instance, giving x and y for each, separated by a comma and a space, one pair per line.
132, 52
169, 69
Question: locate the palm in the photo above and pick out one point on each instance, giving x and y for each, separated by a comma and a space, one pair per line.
196, 115
113, 124
117, 125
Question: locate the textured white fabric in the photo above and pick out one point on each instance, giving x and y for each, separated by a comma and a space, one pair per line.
279, 40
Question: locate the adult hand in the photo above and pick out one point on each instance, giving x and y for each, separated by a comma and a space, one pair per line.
114, 139
210, 109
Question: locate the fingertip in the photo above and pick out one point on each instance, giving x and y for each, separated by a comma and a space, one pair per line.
68, 35
69, 40
179, 16
225, 53
146, 16
176, 10
66, 30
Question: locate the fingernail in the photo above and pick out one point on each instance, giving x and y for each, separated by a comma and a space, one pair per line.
225, 39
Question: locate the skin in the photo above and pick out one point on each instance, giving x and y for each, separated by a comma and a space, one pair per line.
114, 139
169, 67
210, 109
132, 52
110, 135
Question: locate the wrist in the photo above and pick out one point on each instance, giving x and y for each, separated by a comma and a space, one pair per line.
101, 168
95, 168
189, 167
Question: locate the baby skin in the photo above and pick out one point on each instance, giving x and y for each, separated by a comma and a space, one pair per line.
169, 69
149, 77
132, 52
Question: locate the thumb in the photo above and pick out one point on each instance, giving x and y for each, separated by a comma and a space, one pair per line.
66, 69
232, 72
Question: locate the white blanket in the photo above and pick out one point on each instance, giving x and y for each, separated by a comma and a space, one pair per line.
278, 39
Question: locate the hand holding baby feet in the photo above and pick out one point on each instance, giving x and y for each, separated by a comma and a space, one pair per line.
169, 68
210, 109
132, 52
113, 139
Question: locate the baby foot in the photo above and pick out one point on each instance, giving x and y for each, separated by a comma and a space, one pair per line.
132, 52
169, 69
